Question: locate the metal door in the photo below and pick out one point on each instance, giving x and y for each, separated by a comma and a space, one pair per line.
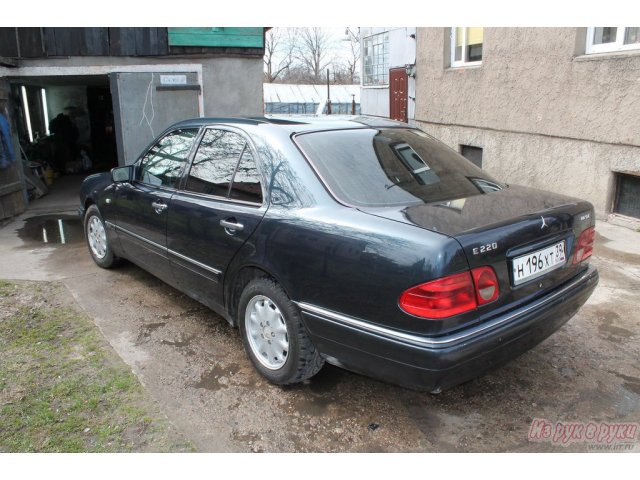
398, 86
146, 103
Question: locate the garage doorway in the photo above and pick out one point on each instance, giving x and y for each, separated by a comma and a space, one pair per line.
65, 123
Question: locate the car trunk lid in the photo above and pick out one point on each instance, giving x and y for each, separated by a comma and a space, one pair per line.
503, 229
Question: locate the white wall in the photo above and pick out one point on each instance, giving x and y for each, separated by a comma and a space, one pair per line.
375, 101
402, 52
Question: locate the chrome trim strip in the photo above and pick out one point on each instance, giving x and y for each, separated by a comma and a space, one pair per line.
445, 341
135, 235
195, 262
217, 198
166, 250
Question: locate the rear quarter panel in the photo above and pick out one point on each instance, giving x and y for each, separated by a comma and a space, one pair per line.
354, 264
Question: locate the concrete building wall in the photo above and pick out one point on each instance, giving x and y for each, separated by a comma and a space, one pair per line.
545, 113
230, 85
233, 86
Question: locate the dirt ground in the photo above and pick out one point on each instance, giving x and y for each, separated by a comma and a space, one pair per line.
193, 364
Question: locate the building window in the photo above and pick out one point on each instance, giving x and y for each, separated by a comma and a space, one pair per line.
466, 46
473, 154
376, 59
627, 195
612, 39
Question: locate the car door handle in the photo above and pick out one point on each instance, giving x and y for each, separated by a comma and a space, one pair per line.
159, 207
231, 224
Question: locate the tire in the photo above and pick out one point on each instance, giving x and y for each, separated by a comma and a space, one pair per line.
273, 334
95, 234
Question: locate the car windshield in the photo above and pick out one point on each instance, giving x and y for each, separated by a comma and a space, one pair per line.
392, 166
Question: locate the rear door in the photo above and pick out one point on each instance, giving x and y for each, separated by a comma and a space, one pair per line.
218, 208
141, 205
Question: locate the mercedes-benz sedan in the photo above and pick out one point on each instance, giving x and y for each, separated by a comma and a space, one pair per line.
360, 242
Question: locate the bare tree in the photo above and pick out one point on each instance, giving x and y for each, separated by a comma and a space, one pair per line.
353, 60
313, 50
302, 55
278, 53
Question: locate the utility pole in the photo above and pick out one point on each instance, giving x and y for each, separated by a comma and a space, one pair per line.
328, 95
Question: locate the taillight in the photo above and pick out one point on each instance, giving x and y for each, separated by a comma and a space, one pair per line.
440, 298
451, 295
584, 245
486, 284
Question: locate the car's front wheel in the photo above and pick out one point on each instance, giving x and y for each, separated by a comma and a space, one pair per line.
96, 235
274, 336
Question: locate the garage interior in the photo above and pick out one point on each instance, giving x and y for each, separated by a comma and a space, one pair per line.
65, 126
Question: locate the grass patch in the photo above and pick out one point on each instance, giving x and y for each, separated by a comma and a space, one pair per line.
62, 388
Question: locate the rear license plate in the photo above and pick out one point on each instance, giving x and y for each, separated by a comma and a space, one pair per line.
535, 264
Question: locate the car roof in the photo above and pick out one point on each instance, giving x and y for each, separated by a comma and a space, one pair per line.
297, 123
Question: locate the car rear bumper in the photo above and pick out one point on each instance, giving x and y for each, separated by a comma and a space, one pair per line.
433, 363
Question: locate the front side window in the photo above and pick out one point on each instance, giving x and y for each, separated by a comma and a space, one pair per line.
162, 165
394, 166
224, 166
376, 59
466, 46
612, 39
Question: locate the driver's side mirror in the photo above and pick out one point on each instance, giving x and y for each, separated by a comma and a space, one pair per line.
122, 174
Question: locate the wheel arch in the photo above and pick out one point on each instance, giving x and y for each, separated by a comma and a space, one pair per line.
235, 285
88, 202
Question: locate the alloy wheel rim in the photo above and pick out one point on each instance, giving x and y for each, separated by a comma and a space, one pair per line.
97, 238
267, 332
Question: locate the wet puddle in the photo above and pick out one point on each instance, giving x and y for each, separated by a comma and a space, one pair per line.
218, 377
52, 230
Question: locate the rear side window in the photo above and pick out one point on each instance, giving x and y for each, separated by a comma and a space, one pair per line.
388, 167
224, 166
246, 182
162, 165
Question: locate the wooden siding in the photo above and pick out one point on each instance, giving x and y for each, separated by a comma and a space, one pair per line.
133, 41
42, 42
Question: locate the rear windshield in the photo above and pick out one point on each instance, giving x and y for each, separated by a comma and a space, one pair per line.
393, 166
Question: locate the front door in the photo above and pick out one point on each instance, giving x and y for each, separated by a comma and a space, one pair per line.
398, 86
217, 210
142, 205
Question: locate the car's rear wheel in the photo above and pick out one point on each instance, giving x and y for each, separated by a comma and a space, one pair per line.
274, 336
96, 235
